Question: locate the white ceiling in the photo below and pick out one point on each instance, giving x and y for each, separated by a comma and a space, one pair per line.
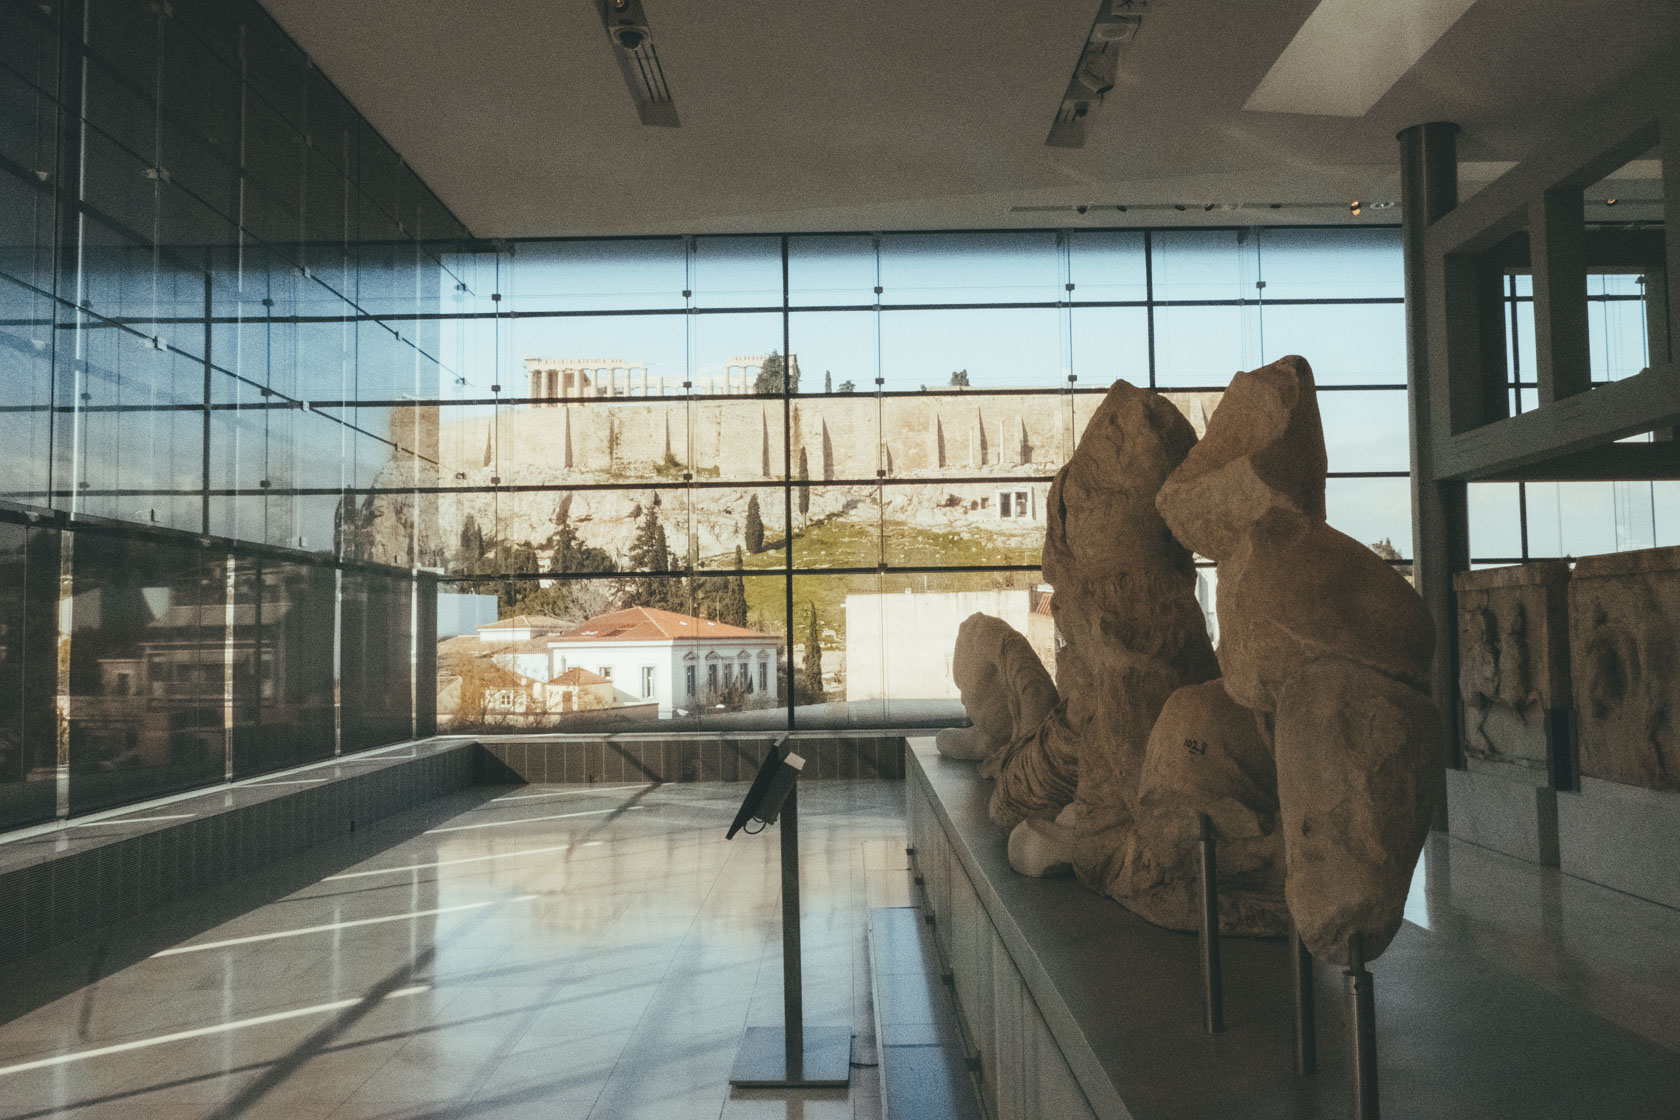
868, 114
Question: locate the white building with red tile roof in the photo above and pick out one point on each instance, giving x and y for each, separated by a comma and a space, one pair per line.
687, 664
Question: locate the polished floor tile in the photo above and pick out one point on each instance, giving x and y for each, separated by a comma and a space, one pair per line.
545, 951
1616, 955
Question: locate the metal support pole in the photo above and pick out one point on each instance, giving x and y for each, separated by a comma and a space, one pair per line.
1212, 977
1440, 518
793, 994
1306, 1026
793, 1056
1362, 1015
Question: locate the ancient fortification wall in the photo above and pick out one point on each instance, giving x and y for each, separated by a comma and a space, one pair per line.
842, 438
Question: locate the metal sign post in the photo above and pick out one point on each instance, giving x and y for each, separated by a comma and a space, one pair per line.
792, 1056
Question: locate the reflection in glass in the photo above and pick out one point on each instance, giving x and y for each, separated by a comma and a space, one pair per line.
147, 670
29, 563
374, 698
282, 665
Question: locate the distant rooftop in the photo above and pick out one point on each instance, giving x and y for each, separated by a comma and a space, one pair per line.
579, 676
526, 622
648, 624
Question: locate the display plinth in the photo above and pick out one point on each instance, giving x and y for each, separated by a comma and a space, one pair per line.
762, 1060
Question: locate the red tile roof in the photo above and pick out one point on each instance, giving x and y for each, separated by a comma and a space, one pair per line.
648, 624
580, 676
525, 622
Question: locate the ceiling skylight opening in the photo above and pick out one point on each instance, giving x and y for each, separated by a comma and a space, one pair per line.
1350, 53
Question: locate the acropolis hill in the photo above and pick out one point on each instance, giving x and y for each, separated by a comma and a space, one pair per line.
593, 421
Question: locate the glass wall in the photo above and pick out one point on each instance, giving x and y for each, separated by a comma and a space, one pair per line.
261, 395
1517, 521
219, 353
864, 427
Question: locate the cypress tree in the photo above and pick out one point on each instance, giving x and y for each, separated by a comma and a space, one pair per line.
804, 476
755, 527
650, 552
735, 602
812, 669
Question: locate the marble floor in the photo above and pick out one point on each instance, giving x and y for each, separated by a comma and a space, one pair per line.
556, 952
569, 952
1613, 955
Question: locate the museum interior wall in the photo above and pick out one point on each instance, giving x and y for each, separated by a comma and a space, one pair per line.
278, 438
198, 232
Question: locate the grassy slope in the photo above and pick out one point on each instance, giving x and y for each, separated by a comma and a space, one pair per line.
852, 544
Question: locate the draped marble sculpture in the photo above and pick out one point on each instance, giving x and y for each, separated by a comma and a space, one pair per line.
1308, 743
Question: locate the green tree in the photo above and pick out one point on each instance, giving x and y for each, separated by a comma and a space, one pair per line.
651, 552
828, 381
353, 528
960, 377
805, 477
736, 605
772, 376
848, 387
571, 554
811, 670
755, 526
472, 541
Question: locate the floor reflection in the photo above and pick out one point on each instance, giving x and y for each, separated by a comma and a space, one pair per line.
601, 961
1617, 955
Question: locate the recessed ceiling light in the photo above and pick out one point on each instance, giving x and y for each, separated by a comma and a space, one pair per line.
1609, 202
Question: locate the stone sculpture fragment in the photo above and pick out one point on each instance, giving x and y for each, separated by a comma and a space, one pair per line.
1624, 615
1208, 757
1004, 688
1328, 645
1133, 633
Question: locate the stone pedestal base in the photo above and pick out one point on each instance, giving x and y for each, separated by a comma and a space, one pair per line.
1505, 814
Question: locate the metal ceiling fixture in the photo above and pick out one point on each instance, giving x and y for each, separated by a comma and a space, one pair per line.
1117, 24
632, 43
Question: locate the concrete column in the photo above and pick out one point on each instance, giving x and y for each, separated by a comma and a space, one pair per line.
1440, 520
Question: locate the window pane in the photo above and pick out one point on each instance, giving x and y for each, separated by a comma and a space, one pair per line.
837, 350
1204, 346
147, 660
955, 524
1203, 264
1495, 521
592, 275
1111, 343
1371, 510
831, 270
737, 272
970, 268
1366, 430
1360, 344
1106, 265
1331, 263
995, 349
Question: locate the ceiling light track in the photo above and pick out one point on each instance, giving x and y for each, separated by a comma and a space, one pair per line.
1117, 24
632, 46
1098, 210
